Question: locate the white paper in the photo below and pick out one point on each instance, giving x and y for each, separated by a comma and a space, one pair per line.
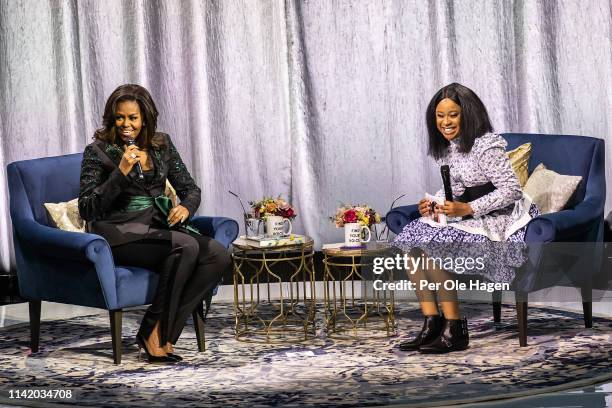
441, 218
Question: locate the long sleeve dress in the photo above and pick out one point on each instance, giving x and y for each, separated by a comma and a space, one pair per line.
496, 230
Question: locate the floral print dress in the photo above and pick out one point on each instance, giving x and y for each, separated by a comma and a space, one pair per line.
496, 232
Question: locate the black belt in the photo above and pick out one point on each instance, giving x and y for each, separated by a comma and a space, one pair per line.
474, 193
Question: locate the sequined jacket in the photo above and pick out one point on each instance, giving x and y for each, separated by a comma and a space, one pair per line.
104, 190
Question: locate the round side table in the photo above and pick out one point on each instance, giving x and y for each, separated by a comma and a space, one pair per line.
350, 301
260, 314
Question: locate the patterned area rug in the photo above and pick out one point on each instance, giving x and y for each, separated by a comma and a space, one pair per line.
326, 372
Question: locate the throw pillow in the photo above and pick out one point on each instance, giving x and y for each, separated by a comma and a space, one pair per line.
519, 158
66, 215
550, 190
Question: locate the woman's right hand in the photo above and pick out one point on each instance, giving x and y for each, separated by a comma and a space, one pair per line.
424, 207
130, 157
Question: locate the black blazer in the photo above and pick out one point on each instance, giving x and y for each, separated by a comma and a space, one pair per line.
104, 190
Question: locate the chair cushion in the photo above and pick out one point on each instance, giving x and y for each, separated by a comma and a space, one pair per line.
550, 190
135, 286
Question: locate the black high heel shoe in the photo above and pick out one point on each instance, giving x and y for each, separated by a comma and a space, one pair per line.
152, 359
432, 327
175, 357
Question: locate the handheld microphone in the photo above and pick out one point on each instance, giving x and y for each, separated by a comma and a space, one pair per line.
247, 220
446, 181
130, 142
384, 219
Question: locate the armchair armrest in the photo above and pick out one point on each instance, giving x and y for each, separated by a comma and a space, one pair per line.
70, 247
56, 243
223, 229
398, 217
555, 226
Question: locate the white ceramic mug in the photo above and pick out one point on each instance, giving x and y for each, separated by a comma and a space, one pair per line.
275, 226
352, 234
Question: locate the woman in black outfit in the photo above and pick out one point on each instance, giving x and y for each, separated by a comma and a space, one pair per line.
127, 207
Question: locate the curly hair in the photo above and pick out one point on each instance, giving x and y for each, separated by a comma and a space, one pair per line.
140, 95
474, 119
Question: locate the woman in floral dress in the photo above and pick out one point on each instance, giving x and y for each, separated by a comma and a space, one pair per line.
488, 208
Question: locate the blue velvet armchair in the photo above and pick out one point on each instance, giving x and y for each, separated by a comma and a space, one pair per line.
78, 268
582, 221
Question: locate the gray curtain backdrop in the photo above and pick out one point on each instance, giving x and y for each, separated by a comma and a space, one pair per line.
320, 101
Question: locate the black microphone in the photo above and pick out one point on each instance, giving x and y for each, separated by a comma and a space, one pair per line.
384, 219
446, 181
130, 142
246, 215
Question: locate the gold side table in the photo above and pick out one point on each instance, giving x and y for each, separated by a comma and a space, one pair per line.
259, 315
350, 301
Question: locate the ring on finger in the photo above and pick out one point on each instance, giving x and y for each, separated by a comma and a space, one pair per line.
133, 155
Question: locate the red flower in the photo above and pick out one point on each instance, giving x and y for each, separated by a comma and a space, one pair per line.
289, 212
350, 216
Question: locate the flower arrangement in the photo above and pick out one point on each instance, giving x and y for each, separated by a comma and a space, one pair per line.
272, 206
362, 214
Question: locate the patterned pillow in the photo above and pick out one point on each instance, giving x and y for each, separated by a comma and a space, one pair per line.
550, 190
66, 215
519, 158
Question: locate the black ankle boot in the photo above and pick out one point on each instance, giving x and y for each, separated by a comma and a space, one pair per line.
432, 327
454, 337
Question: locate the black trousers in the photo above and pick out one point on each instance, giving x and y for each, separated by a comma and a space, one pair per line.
189, 267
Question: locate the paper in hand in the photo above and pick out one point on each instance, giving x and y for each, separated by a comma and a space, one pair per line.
436, 219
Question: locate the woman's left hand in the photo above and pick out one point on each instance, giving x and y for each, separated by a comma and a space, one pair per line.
177, 214
455, 209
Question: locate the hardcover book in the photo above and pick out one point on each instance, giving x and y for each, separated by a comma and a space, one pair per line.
264, 242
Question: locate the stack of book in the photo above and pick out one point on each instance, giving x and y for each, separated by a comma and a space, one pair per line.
262, 241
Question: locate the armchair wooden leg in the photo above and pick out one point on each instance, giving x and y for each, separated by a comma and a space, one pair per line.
34, 307
587, 306
115, 323
497, 298
198, 325
521, 317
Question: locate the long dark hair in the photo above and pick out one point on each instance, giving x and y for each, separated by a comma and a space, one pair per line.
140, 95
474, 119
